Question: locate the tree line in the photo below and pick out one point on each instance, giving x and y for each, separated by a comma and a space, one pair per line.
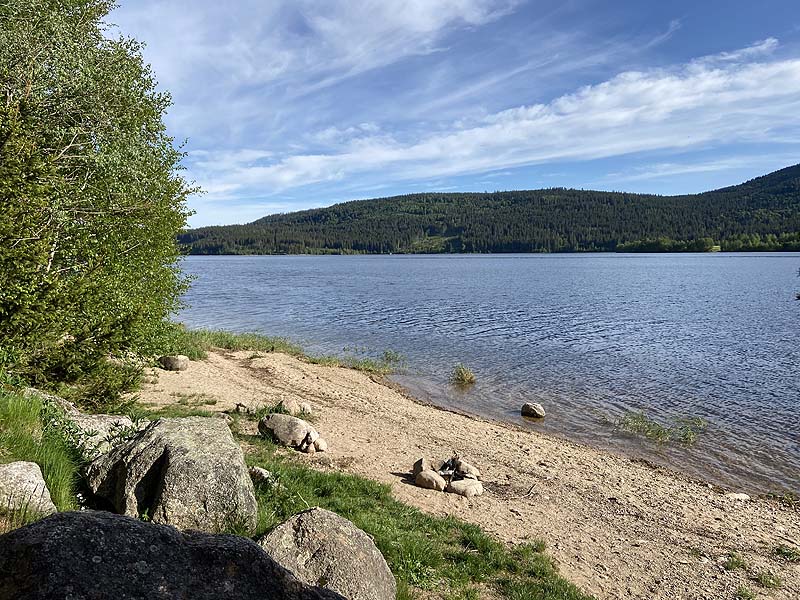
762, 214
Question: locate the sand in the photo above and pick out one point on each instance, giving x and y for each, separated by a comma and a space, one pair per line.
616, 527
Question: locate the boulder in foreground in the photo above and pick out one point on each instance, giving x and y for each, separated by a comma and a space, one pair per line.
94, 555
322, 548
23, 489
189, 473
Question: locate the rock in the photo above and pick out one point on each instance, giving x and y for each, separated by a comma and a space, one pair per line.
465, 487
309, 449
189, 473
179, 362
290, 407
322, 548
430, 480
739, 497
305, 407
321, 445
466, 470
23, 489
422, 464
259, 475
533, 410
288, 430
91, 555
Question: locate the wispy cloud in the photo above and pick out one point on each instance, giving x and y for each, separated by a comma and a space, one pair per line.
702, 103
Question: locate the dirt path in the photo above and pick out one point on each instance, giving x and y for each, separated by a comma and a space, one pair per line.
617, 528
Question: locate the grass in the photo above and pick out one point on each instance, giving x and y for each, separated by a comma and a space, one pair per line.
684, 430
768, 579
442, 554
744, 593
24, 437
462, 375
196, 343
788, 553
734, 561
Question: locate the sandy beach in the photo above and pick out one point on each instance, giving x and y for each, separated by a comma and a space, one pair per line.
617, 528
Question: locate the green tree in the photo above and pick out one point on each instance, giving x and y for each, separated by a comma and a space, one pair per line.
91, 193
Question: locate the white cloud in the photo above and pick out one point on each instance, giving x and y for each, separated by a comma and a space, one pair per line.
700, 104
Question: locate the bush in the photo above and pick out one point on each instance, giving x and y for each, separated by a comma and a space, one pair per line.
91, 197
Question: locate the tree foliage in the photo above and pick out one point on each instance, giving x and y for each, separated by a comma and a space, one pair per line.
91, 195
762, 214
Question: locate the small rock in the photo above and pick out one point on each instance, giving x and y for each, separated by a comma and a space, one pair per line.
290, 407
179, 362
259, 475
322, 548
740, 497
465, 469
430, 480
465, 487
309, 449
288, 430
305, 407
321, 445
422, 464
22, 488
532, 409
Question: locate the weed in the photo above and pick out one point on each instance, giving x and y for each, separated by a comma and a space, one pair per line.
734, 561
768, 579
788, 553
685, 430
462, 375
744, 593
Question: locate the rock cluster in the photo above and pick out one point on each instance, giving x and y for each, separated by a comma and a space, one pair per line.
454, 475
293, 432
294, 408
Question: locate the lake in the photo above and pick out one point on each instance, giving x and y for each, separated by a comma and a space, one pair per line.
592, 337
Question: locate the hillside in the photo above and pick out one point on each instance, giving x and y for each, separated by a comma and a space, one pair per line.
761, 214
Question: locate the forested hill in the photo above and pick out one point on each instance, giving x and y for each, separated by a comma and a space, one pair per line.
761, 214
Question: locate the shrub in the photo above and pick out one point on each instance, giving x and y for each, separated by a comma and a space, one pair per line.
91, 196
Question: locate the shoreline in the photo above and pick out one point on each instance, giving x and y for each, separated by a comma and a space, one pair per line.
618, 527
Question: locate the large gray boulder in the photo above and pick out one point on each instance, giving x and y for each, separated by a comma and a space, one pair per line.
322, 548
95, 555
189, 473
23, 489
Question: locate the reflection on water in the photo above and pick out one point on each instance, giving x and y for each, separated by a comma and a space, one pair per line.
589, 336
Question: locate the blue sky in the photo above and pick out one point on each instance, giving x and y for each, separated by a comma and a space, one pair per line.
293, 104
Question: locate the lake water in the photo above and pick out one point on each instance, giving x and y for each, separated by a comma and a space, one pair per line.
590, 336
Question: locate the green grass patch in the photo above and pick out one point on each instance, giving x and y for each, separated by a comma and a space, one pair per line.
684, 430
446, 555
24, 436
788, 553
462, 375
734, 561
196, 343
768, 579
744, 593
